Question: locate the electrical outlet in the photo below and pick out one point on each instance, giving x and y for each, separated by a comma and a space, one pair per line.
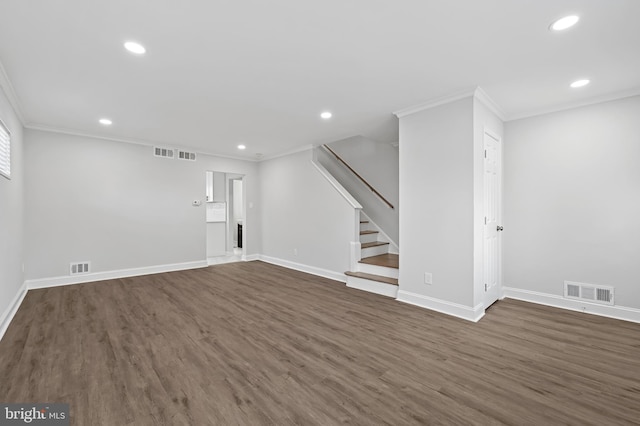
428, 279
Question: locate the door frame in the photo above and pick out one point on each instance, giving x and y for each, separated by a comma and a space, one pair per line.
230, 177
496, 137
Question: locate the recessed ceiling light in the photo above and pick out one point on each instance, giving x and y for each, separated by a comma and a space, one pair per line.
580, 83
242, 147
106, 122
134, 47
326, 115
564, 23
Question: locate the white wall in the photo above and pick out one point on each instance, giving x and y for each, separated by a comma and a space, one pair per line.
437, 198
378, 164
11, 216
302, 211
117, 205
572, 200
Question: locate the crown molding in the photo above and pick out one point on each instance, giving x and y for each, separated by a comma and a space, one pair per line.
564, 107
483, 98
477, 93
77, 133
7, 88
285, 153
434, 103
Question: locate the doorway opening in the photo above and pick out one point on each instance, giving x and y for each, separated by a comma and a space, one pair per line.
225, 217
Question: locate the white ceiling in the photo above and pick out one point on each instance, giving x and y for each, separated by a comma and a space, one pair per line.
219, 73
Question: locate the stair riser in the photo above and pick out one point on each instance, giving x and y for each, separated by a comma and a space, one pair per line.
368, 238
373, 286
374, 251
378, 270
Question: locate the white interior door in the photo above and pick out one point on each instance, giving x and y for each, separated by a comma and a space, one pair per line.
492, 218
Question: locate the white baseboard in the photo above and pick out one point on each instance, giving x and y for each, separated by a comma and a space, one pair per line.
332, 275
617, 312
11, 310
461, 311
110, 275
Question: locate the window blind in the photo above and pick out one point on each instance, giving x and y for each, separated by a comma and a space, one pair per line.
5, 151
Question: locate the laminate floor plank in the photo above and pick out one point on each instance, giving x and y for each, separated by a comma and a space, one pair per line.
255, 344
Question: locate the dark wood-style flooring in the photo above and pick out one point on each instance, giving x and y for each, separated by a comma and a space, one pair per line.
253, 344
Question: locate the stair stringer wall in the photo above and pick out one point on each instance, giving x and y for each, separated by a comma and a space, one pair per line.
385, 217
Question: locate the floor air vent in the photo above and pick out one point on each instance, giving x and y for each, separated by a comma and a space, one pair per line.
76, 268
588, 292
163, 152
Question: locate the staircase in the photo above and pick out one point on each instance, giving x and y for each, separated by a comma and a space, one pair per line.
377, 269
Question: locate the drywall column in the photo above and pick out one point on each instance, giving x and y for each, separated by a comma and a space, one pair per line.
437, 215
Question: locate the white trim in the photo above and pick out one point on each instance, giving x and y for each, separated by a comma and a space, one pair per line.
355, 254
110, 275
345, 194
11, 310
7, 88
617, 312
5, 150
363, 284
285, 153
383, 271
591, 101
486, 131
78, 133
442, 100
461, 311
477, 93
332, 275
485, 100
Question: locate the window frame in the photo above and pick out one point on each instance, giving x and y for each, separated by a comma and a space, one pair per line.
5, 129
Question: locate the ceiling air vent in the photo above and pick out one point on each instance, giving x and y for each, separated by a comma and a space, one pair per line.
185, 155
76, 268
163, 152
589, 292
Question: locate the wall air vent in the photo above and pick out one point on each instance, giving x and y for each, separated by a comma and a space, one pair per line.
163, 152
76, 268
184, 155
589, 292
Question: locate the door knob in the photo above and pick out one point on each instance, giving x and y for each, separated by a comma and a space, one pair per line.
500, 228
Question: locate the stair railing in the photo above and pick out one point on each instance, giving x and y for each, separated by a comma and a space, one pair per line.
367, 184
